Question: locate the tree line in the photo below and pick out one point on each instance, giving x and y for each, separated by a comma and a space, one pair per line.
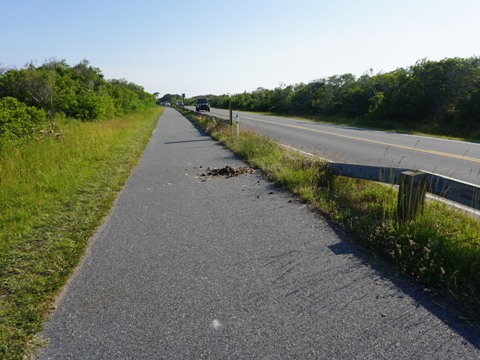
31, 95
435, 96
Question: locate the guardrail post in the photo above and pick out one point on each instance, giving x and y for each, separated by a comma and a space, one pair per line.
237, 125
411, 195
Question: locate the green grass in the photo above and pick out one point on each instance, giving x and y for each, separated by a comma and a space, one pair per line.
440, 248
54, 192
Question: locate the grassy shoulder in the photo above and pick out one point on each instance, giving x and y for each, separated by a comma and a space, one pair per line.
54, 192
440, 249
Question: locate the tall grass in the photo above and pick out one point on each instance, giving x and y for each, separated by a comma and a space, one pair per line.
53, 193
440, 248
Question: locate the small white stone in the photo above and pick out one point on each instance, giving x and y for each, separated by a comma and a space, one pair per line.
216, 324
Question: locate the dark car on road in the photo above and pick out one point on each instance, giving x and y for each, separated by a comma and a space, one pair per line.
202, 104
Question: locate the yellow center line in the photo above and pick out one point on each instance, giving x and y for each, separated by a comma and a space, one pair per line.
431, 152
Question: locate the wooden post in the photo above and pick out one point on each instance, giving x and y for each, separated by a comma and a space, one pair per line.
411, 195
231, 115
237, 127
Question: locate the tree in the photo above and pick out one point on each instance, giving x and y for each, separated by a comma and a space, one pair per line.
3, 69
79, 92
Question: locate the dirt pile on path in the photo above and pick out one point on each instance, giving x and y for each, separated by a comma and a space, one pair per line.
229, 171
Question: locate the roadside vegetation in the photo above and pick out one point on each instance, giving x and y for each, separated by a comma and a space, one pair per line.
68, 141
431, 97
440, 248
78, 91
54, 192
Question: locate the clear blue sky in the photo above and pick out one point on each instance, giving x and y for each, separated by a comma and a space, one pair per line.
218, 47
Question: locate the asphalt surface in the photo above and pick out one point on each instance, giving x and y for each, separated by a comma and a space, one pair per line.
194, 267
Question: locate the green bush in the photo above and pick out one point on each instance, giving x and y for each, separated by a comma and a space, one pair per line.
78, 92
93, 106
18, 120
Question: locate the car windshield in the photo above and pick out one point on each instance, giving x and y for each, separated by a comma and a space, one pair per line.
201, 101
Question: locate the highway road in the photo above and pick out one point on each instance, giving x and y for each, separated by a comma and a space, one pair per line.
345, 144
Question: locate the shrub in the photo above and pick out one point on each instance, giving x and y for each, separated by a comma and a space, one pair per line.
18, 120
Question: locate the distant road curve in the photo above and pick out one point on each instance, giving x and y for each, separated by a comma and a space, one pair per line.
344, 144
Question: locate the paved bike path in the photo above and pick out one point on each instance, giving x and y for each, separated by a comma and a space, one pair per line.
194, 267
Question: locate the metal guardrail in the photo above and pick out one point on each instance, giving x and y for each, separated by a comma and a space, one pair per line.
458, 191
